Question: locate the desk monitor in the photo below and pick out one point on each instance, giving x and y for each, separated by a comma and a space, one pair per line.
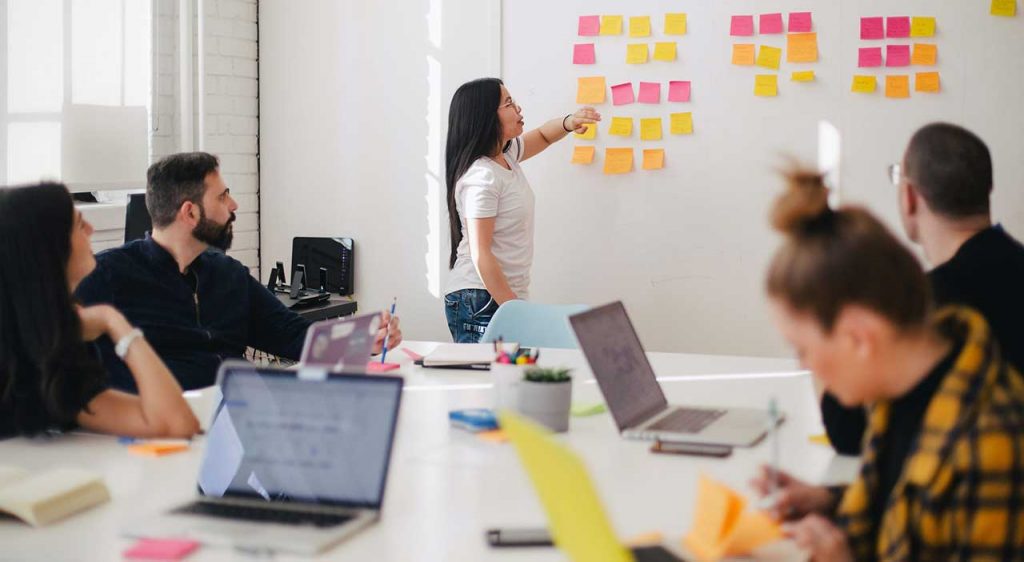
336, 255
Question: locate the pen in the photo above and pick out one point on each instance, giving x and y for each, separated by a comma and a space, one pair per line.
387, 332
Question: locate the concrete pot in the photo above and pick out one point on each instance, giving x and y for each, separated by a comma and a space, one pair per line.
547, 403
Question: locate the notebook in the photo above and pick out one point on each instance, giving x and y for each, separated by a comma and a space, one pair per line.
464, 355
40, 498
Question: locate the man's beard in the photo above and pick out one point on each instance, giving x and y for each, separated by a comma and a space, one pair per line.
217, 235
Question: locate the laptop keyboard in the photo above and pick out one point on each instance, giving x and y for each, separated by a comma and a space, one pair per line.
687, 420
262, 514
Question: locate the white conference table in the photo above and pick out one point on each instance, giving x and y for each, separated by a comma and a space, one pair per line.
446, 486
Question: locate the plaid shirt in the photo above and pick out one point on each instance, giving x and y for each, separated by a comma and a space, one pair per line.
961, 493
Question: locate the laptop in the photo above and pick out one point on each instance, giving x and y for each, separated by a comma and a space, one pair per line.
627, 381
342, 344
295, 461
579, 524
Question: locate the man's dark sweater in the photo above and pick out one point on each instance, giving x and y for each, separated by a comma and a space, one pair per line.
987, 274
193, 321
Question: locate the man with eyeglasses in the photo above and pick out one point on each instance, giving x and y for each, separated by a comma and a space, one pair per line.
944, 183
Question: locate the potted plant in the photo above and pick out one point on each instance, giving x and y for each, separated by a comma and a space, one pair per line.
545, 395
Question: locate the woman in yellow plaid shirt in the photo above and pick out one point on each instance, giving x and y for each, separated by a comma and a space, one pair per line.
942, 473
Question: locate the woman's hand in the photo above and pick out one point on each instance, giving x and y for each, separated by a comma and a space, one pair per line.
821, 538
794, 498
584, 116
96, 320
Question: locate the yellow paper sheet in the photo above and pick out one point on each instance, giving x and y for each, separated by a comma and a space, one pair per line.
636, 53
654, 158
743, 54
769, 57
650, 129
618, 160
924, 54
897, 86
611, 25
864, 84
766, 85
1005, 8
583, 155
640, 26
665, 51
927, 82
675, 24
681, 123
590, 90
803, 76
621, 126
589, 134
922, 27
802, 47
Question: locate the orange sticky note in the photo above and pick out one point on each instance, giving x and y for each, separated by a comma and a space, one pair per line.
864, 84
640, 26
722, 528
754, 528
802, 47
499, 435
583, 155
665, 51
766, 85
769, 57
924, 54
654, 158
589, 134
157, 449
897, 86
650, 129
675, 24
927, 82
611, 25
1005, 8
590, 90
681, 123
922, 27
618, 160
743, 54
636, 53
803, 76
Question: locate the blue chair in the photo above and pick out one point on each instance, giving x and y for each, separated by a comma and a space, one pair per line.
534, 325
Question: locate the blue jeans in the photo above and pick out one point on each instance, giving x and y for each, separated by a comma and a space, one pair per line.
469, 311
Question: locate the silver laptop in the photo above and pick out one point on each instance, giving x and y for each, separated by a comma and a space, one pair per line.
295, 461
342, 344
613, 350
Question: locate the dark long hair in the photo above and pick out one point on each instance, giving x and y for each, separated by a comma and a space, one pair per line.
473, 131
42, 357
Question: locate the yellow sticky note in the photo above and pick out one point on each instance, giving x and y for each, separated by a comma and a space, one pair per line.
636, 53
590, 90
927, 82
924, 54
820, 439
769, 57
583, 154
618, 160
665, 51
1005, 8
743, 54
654, 158
766, 85
611, 25
863, 84
650, 129
897, 86
675, 24
640, 26
802, 47
589, 134
681, 123
621, 126
922, 27
803, 76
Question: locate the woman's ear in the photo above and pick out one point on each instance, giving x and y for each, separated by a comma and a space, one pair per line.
861, 331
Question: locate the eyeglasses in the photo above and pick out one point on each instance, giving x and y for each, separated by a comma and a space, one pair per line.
511, 103
895, 174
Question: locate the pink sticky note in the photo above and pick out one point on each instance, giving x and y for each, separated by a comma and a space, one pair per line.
800, 22
583, 53
771, 23
590, 25
622, 93
378, 367
869, 56
742, 25
897, 27
872, 28
897, 55
159, 549
679, 90
650, 92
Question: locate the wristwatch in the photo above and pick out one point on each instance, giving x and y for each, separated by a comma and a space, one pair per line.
123, 344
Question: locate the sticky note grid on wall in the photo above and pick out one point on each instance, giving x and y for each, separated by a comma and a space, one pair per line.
793, 35
895, 45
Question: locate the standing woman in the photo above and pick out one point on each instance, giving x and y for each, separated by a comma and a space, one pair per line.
48, 377
490, 203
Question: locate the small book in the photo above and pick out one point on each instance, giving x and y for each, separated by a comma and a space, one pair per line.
44, 497
464, 355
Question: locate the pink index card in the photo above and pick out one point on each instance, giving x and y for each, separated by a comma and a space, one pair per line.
742, 26
622, 93
897, 27
897, 55
800, 22
159, 549
872, 28
650, 92
679, 90
771, 23
583, 53
590, 25
869, 56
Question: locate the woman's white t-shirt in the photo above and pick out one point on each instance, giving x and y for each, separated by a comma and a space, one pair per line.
488, 190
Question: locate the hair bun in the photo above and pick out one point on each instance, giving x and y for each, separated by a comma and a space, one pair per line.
804, 202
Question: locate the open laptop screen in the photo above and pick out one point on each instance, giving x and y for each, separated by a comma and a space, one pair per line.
617, 359
283, 438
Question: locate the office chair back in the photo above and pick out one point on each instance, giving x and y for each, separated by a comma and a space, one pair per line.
534, 325
136, 218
